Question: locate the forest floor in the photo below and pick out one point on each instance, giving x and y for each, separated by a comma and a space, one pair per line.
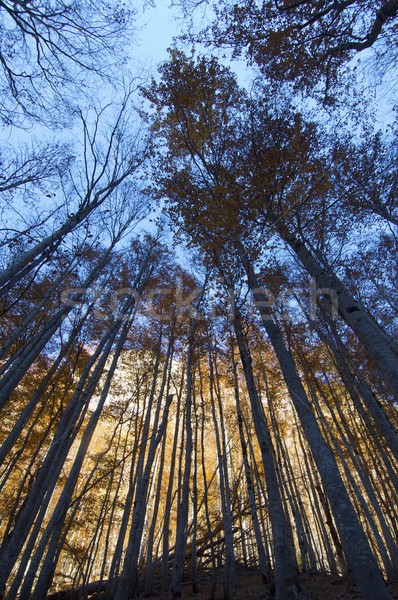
316, 586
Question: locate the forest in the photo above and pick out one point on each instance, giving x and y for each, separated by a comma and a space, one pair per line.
199, 301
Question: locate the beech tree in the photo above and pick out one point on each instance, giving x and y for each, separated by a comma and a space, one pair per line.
68, 428
198, 129
303, 42
157, 431
266, 197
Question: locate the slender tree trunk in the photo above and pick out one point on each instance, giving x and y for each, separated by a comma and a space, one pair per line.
151, 533
128, 579
308, 470
229, 567
286, 576
168, 502
182, 514
194, 545
140, 441
105, 567
360, 559
206, 484
377, 342
160, 484
263, 559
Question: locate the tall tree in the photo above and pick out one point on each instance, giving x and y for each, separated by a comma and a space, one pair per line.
199, 130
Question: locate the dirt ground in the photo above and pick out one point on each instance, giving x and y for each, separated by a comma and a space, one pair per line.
317, 586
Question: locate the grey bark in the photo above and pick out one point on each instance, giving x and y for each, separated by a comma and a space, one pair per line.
377, 342
127, 582
360, 558
182, 512
285, 573
128, 579
262, 557
229, 565
168, 502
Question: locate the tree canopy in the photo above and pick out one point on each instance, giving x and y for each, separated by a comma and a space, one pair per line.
198, 300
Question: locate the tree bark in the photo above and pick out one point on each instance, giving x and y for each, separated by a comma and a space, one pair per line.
377, 342
360, 559
285, 574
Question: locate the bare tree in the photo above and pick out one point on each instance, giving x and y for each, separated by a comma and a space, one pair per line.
52, 45
108, 160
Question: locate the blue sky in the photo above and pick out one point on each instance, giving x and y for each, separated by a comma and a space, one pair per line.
159, 25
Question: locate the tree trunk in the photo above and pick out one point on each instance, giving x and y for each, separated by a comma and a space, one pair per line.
377, 342
263, 558
360, 559
229, 565
286, 576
